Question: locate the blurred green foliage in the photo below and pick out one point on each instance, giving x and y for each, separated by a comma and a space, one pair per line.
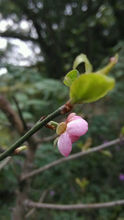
95, 28
37, 96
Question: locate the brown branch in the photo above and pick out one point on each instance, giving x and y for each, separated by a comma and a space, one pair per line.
5, 162
11, 114
12, 34
73, 207
46, 139
72, 157
20, 114
32, 211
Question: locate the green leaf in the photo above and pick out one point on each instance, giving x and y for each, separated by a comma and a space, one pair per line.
70, 77
82, 182
122, 130
109, 66
106, 153
83, 58
90, 87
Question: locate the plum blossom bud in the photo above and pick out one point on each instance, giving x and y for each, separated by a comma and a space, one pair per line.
70, 131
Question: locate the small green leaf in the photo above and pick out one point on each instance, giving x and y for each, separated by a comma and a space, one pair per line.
70, 77
83, 183
122, 130
83, 58
90, 87
106, 153
109, 66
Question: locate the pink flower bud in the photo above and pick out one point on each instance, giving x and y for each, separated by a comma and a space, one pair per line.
75, 127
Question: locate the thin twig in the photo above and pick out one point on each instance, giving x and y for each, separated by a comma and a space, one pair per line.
72, 157
12, 116
46, 139
4, 162
20, 113
32, 211
73, 207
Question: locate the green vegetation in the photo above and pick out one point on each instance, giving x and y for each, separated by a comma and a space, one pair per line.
62, 30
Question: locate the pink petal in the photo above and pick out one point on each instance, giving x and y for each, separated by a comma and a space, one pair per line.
64, 144
73, 138
72, 117
77, 127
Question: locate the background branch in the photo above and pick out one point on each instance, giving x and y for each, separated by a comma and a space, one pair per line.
73, 207
5, 162
32, 211
11, 34
20, 114
72, 157
46, 139
12, 116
